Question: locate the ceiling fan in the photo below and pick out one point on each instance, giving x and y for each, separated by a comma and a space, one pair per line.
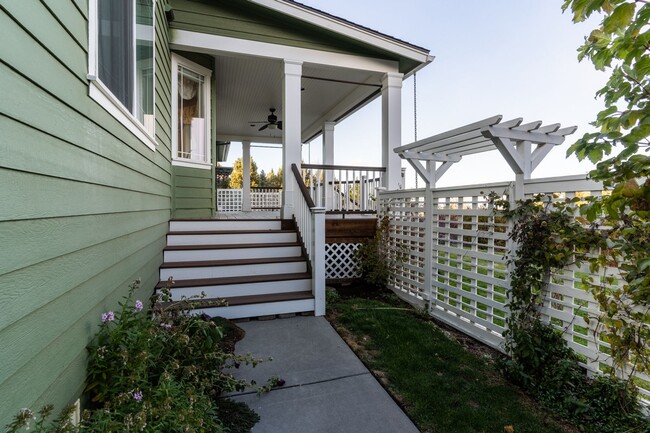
271, 122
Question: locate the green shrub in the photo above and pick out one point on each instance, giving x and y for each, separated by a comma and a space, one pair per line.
375, 258
156, 371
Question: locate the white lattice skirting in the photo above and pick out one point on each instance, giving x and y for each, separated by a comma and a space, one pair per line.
340, 262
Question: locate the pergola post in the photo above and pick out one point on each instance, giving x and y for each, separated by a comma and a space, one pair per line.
328, 159
291, 132
246, 176
391, 122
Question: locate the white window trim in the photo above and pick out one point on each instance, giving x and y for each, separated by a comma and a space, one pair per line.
99, 92
207, 74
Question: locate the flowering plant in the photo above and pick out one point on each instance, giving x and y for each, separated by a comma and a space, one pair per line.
154, 371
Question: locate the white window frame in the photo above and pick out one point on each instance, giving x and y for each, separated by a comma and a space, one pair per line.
103, 95
207, 75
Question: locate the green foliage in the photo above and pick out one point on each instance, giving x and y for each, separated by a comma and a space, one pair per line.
375, 258
549, 237
621, 46
237, 175
157, 371
273, 179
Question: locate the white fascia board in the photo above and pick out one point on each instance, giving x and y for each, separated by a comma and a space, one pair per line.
215, 45
346, 29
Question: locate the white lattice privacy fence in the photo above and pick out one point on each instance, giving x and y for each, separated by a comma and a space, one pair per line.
340, 263
453, 258
230, 200
266, 198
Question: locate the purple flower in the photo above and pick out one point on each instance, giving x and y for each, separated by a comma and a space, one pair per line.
136, 394
166, 325
280, 382
205, 317
108, 317
138, 305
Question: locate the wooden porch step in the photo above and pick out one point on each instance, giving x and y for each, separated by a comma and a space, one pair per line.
234, 262
200, 282
230, 246
251, 305
226, 232
243, 300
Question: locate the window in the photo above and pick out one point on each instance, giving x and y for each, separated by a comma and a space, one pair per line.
191, 113
121, 62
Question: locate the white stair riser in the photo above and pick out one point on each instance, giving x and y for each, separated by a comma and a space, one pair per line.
231, 238
246, 289
190, 273
255, 310
224, 225
231, 253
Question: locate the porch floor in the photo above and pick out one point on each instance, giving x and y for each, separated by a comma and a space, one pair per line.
264, 215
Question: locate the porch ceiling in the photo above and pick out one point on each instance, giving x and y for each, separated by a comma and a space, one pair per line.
246, 87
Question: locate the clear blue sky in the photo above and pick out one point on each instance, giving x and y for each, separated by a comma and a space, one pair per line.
511, 57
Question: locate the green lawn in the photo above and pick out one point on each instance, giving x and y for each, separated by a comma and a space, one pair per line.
444, 387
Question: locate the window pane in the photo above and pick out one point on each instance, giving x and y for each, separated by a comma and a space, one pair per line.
144, 76
192, 138
115, 39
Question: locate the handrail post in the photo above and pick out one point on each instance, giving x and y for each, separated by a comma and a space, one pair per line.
318, 262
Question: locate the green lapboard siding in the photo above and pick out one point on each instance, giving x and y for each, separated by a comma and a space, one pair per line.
193, 192
243, 20
85, 204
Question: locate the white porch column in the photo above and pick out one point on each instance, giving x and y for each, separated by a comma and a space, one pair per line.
328, 159
246, 176
391, 125
291, 132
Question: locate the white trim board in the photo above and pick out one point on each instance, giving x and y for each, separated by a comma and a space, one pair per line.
104, 97
216, 45
176, 61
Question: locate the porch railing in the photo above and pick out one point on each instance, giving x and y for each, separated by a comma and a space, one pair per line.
343, 189
310, 220
262, 199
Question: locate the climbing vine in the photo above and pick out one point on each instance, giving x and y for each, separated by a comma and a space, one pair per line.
548, 237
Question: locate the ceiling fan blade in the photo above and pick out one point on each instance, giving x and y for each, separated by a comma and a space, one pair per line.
280, 125
263, 127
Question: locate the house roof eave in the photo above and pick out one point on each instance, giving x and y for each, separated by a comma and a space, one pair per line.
351, 30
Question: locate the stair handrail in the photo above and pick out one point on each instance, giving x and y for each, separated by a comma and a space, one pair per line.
310, 222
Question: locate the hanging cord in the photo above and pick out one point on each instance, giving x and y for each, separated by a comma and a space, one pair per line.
415, 115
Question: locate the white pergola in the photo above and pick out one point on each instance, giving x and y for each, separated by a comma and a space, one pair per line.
524, 147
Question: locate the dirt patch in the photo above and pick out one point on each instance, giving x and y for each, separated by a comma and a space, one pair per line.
231, 333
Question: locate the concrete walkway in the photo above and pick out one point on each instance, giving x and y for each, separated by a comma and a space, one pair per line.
327, 388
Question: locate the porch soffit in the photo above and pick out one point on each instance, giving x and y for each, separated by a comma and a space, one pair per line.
513, 139
247, 87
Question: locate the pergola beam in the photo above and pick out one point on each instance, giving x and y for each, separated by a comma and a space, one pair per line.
522, 145
438, 157
452, 133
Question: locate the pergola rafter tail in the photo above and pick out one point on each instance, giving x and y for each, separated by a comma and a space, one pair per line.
523, 146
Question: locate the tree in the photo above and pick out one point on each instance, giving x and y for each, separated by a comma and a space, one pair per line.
621, 45
237, 176
274, 180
